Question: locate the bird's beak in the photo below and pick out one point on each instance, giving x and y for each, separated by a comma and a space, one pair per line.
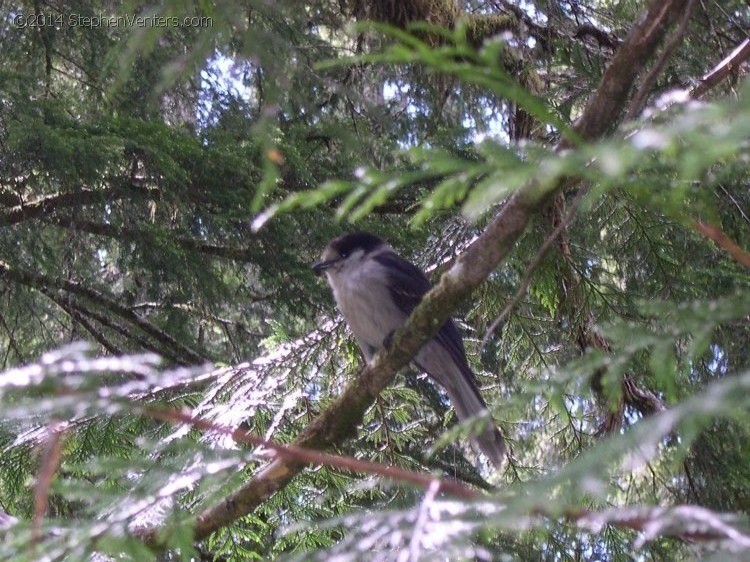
320, 267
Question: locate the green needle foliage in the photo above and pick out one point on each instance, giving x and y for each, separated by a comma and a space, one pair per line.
168, 174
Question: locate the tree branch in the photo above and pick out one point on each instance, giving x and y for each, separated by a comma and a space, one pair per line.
639, 100
180, 353
688, 522
605, 107
83, 321
730, 64
531, 268
49, 204
314, 457
723, 241
124, 233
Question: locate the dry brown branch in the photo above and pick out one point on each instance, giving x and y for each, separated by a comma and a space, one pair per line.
50, 462
686, 522
311, 457
723, 241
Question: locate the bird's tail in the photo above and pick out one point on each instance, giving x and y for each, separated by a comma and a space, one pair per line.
468, 403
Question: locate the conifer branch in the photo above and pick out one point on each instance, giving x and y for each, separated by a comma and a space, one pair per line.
181, 353
109, 230
49, 204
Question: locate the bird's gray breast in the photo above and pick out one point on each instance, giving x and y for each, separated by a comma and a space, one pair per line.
363, 297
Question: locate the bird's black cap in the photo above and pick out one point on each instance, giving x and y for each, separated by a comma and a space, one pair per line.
348, 243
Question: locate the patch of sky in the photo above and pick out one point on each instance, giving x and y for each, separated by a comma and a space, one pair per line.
221, 81
718, 362
490, 128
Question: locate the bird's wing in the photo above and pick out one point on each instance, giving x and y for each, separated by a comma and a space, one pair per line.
407, 285
406, 282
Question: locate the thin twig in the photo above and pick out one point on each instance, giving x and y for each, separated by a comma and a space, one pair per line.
312, 457
11, 339
639, 101
49, 465
723, 241
735, 203
384, 422
523, 287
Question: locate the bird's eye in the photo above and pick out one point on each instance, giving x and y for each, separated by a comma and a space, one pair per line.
344, 255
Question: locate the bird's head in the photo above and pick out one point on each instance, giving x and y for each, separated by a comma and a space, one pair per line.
347, 252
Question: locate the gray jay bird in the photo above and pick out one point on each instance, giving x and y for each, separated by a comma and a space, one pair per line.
376, 291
